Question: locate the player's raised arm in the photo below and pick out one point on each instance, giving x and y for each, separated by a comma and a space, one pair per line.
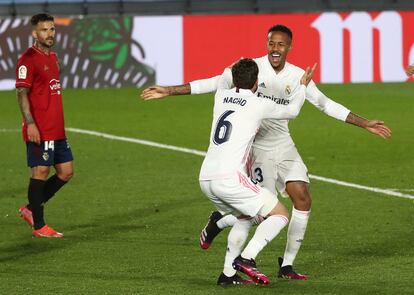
410, 70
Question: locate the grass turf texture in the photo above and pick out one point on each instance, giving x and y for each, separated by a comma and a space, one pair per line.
132, 214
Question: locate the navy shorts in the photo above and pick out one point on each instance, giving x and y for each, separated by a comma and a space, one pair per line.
48, 153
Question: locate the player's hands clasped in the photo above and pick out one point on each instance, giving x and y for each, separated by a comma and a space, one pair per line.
378, 128
154, 92
307, 76
33, 133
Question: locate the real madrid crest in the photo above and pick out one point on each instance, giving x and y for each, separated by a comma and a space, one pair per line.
45, 156
288, 90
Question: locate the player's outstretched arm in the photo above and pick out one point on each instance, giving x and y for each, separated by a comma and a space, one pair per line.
374, 126
158, 92
410, 70
32, 132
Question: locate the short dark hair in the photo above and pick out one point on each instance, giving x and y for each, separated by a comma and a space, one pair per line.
41, 17
281, 28
245, 73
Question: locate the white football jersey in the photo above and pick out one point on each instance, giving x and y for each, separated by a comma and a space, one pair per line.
236, 119
277, 88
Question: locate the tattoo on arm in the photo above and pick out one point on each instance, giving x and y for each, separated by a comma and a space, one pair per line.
24, 104
179, 89
356, 120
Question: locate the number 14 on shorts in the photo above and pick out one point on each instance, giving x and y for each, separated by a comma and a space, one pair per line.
49, 145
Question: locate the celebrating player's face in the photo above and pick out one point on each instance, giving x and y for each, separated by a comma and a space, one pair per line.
44, 33
278, 46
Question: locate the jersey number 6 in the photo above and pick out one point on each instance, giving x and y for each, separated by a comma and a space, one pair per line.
223, 129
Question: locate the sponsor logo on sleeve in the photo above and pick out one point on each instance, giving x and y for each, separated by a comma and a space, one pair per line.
22, 72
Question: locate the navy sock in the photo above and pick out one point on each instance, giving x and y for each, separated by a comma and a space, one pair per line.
53, 184
35, 193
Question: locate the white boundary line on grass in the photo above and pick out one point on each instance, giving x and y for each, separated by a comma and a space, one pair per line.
389, 192
201, 153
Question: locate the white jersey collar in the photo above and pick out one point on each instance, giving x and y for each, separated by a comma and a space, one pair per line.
243, 91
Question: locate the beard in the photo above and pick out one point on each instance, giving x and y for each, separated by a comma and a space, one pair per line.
46, 43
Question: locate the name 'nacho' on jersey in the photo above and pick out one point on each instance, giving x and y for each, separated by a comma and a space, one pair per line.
235, 100
277, 100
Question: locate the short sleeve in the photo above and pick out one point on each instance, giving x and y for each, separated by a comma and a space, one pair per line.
24, 72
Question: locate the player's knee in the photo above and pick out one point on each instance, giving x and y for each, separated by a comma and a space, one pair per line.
301, 197
40, 173
303, 202
65, 175
279, 209
284, 213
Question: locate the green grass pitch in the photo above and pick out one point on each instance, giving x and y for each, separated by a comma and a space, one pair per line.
132, 214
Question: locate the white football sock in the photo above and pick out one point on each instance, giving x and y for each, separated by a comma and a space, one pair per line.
265, 232
235, 242
295, 235
226, 221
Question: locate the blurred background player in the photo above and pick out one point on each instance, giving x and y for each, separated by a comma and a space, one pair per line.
39, 96
276, 161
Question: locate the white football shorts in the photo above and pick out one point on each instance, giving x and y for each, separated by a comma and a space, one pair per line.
273, 169
238, 195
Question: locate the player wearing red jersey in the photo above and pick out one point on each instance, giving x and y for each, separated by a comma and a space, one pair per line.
40, 100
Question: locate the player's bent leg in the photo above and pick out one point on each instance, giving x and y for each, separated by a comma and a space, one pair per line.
299, 193
277, 219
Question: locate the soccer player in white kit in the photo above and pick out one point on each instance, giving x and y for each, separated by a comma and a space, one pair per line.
276, 161
237, 115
